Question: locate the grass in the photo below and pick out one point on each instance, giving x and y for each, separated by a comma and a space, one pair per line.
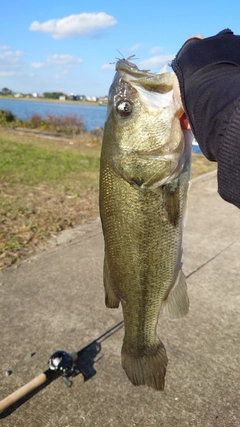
201, 165
45, 187
48, 185
30, 165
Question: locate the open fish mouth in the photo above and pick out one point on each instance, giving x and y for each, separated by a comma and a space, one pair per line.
154, 89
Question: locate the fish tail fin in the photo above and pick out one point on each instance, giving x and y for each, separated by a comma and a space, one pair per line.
149, 369
176, 304
111, 300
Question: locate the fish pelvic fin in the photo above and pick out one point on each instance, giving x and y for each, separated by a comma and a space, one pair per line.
148, 369
111, 300
176, 305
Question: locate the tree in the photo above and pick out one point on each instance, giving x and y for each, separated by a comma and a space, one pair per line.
52, 95
6, 91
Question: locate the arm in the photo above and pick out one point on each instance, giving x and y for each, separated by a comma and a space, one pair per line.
207, 85
176, 90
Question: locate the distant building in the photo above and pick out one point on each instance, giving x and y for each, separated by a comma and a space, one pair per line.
91, 98
62, 98
35, 95
103, 100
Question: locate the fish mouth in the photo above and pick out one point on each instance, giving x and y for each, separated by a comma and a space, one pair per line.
153, 89
123, 65
161, 82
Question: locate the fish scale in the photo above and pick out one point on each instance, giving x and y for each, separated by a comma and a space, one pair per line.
144, 175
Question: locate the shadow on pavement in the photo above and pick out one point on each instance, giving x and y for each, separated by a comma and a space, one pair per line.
84, 365
86, 356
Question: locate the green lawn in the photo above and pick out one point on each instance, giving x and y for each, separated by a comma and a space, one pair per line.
33, 165
46, 185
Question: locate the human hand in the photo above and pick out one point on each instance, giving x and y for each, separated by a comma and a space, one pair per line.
177, 95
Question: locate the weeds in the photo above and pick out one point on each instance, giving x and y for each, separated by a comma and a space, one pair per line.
7, 119
68, 124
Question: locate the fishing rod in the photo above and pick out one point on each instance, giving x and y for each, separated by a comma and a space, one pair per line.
60, 362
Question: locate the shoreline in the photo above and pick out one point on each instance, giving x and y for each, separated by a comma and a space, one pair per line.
54, 101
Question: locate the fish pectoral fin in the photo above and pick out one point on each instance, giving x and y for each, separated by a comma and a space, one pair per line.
176, 304
111, 300
171, 200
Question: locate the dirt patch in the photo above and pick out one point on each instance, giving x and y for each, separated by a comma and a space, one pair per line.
36, 215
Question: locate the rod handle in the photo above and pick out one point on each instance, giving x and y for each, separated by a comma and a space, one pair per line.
23, 391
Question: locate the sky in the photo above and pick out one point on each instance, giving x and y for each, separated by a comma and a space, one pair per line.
71, 46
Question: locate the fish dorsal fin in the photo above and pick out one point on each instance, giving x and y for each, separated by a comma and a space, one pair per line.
176, 304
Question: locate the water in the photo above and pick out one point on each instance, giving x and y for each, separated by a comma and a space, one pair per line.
195, 148
92, 115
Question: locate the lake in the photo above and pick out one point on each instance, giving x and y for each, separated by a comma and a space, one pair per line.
92, 115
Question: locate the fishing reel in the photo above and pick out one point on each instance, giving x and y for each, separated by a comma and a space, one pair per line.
63, 361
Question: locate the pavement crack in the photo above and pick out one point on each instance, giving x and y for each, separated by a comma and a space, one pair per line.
209, 260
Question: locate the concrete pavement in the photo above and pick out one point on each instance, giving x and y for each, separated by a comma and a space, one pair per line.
55, 300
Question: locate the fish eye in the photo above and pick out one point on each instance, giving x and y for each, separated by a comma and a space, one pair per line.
124, 108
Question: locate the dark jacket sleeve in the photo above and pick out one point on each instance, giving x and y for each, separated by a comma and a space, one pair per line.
208, 72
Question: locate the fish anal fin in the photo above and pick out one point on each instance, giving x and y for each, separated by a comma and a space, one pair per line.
111, 300
148, 369
176, 305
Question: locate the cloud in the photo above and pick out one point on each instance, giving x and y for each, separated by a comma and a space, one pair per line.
80, 25
108, 67
63, 60
154, 50
37, 65
9, 62
10, 56
7, 73
135, 47
4, 47
156, 62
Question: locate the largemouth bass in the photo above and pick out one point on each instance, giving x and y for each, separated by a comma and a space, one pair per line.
144, 176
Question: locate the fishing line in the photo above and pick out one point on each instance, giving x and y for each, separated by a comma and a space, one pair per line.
209, 260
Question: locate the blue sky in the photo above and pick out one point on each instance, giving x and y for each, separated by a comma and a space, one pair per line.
69, 45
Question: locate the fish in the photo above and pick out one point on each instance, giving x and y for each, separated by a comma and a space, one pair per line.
145, 167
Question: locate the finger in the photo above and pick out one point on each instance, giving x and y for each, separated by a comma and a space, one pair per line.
197, 36
184, 122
